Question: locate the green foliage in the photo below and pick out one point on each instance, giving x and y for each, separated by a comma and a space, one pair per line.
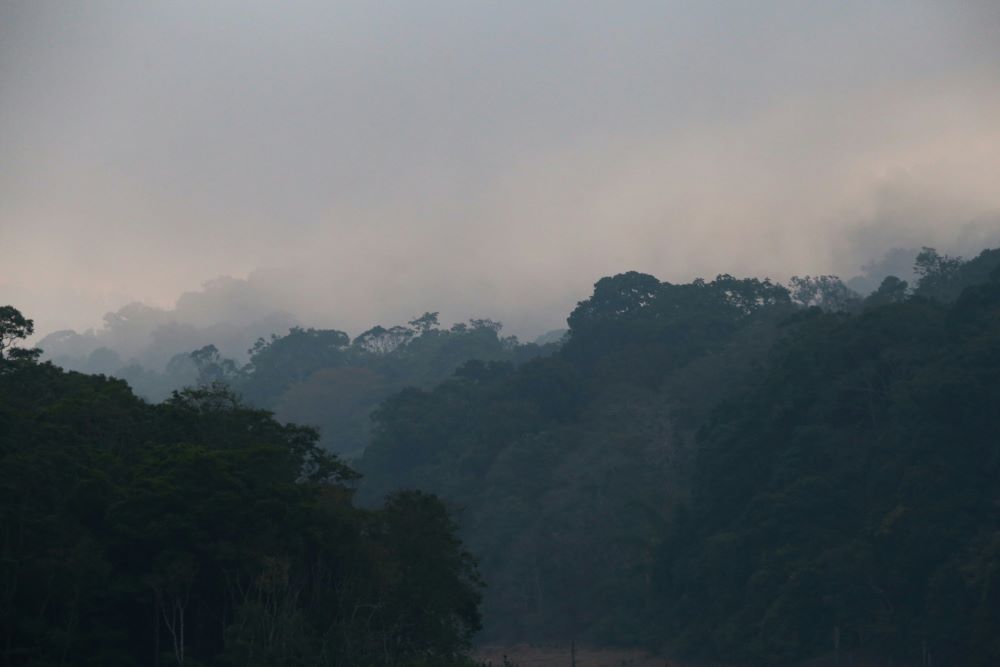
737, 471
942, 278
212, 367
852, 491
15, 327
891, 290
825, 292
203, 532
567, 467
316, 377
638, 329
731, 468
277, 363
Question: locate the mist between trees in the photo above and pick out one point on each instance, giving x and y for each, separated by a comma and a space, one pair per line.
722, 470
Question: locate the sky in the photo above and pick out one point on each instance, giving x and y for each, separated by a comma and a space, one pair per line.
364, 162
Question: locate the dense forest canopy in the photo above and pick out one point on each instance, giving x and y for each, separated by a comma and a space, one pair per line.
732, 469
318, 377
201, 531
323, 378
560, 333
849, 491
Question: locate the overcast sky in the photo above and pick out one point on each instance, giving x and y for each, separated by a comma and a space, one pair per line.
373, 160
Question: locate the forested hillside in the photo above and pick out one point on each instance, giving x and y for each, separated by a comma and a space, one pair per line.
728, 470
732, 469
317, 377
500, 334
305, 375
203, 532
850, 491
568, 468
322, 378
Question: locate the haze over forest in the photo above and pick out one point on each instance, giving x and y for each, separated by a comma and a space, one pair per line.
431, 334
365, 163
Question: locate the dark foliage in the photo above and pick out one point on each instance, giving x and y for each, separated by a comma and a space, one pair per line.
203, 532
567, 467
851, 493
321, 378
729, 469
733, 471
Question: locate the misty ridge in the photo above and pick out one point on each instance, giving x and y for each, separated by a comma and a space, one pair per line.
720, 470
151, 347
520, 334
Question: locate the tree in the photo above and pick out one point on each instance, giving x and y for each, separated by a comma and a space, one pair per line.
622, 295
826, 292
750, 294
213, 367
943, 278
425, 322
279, 362
381, 341
932, 266
201, 531
15, 327
892, 290
485, 324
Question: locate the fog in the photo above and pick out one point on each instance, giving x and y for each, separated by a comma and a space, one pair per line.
361, 163
537, 332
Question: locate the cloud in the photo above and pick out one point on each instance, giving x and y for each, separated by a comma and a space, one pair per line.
226, 312
480, 159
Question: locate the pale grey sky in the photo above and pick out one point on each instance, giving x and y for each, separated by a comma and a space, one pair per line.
372, 160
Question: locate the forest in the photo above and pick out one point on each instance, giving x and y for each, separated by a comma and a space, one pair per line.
728, 471
201, 531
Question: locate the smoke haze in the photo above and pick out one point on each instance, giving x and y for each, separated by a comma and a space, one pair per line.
360, 163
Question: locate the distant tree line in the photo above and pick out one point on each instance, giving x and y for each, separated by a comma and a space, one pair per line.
728, 470
201, 531
322, 378
733, 469
846, 500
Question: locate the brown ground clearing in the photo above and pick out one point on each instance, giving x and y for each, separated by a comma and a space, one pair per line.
524, 655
